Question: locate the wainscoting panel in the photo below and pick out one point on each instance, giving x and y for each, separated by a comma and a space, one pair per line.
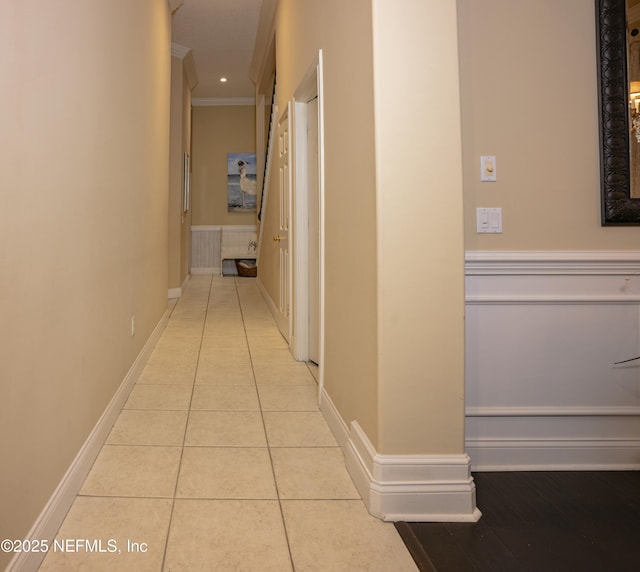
206, 247
543, 331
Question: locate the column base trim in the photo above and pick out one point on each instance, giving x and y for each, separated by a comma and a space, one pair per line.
413, 488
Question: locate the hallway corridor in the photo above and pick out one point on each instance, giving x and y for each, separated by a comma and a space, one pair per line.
221, 459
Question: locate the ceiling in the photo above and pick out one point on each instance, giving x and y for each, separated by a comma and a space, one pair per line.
221, 35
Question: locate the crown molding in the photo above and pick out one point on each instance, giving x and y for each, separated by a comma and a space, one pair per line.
221, 101
178, 51
175, 4
188, 63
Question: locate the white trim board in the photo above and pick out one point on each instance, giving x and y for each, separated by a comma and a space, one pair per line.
413, 488
594, 411
548, 278
565, 263
206, 246
543, 332
505, 454
177, 292
273, 307
222, 101
50, 519
219, 227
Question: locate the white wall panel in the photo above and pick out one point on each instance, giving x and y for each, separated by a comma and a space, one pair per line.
543, 331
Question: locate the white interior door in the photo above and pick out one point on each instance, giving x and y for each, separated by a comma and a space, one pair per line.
314, 231
282, 238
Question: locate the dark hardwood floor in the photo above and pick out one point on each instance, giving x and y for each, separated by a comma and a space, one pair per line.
540, 522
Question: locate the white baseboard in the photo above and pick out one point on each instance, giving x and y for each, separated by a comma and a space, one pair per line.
273, 307
177, 292
337, 425
554, 454
414, 488
50, 519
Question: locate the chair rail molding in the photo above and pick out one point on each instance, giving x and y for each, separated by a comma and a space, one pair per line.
562, 263
553, 277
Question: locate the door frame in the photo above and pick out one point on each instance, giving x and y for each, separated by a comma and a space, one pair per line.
310, 87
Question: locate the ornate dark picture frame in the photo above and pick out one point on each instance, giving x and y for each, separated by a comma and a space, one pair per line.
618, 208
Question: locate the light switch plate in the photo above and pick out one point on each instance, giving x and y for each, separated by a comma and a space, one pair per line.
489, 220
488, 168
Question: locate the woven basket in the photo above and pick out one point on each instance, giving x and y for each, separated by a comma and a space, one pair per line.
247, 268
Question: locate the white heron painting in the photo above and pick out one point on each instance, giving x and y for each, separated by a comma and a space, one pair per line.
241, 182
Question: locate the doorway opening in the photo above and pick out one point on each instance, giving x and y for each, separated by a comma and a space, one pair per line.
308, 215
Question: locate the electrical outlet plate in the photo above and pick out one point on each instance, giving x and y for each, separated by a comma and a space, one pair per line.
489, 221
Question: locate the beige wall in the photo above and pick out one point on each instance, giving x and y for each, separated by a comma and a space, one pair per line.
420, 231
343, 31
529, 96
83, 231
179, 221
218, 130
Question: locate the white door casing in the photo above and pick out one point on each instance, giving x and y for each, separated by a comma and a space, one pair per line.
308, 238
314, 230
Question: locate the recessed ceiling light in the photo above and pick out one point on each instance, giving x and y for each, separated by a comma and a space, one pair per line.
223, 79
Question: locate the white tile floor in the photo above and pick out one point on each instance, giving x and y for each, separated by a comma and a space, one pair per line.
221, 460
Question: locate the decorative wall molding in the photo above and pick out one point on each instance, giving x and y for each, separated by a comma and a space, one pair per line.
188, 63
50, 519
205, 249
207, 227
206, 246
414, 488
552, 263
604, 411
222, 101
237, 227
554, 454
542, 390
580, 277
549, 300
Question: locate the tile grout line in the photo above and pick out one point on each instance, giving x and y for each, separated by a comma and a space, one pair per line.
264, 428
184, 438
